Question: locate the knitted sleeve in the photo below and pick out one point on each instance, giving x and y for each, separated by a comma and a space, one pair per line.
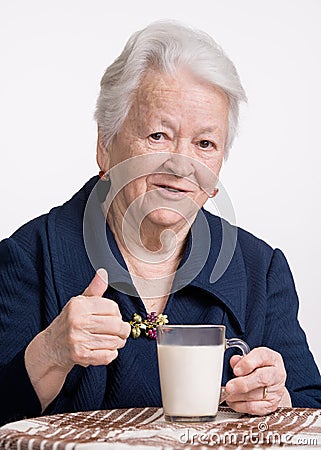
284, 334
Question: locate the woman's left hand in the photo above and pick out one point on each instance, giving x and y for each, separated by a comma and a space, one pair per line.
259, 386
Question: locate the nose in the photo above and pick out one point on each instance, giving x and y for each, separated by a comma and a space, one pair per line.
178, 162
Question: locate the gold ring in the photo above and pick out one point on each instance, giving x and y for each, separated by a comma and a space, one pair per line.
265, 392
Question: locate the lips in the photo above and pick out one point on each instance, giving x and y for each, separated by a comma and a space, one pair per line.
171, 188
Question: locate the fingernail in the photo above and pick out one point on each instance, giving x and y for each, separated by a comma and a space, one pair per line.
102, 274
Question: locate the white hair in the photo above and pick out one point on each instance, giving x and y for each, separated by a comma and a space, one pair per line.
166, 46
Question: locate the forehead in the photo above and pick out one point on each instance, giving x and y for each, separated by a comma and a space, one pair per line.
182, 91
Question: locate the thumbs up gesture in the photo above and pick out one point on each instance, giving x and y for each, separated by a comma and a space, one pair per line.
89, 330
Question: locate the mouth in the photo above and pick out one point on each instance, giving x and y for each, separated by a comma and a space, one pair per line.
170, 188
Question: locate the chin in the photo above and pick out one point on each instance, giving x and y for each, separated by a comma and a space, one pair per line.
166, 218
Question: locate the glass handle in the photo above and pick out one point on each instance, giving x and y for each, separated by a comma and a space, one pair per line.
245, 349
234, 342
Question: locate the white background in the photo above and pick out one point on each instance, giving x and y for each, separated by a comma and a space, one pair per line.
53, 54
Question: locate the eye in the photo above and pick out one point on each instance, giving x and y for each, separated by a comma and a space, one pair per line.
157, 136
206, 145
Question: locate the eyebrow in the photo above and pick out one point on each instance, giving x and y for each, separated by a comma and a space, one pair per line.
166, 123
209, 130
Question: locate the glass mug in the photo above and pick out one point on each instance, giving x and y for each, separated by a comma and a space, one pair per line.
190, 361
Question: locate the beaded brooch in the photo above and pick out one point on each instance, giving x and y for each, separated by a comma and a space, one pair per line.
148, 326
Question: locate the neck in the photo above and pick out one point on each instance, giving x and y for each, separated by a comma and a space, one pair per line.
147, 243
152, 254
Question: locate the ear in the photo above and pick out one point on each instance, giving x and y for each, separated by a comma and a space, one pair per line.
102, 154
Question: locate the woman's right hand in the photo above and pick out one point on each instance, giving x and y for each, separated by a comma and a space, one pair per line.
88, 331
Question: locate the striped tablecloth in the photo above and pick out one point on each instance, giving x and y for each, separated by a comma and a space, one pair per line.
145, 429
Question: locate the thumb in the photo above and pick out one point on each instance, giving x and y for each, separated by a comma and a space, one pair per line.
98, 284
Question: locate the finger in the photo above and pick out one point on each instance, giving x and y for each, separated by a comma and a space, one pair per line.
102, 357
81, 308
255, 395
108, 325
258, 357
261, 377
97, 358
98, 285
234, 360
99, 342
255, 408
275, 391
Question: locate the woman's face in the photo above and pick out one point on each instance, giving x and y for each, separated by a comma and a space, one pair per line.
177, 126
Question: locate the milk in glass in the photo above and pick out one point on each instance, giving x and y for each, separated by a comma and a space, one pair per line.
190, 377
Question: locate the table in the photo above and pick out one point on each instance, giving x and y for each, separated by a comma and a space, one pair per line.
145, 429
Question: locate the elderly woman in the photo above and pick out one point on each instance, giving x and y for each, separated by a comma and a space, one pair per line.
136, 246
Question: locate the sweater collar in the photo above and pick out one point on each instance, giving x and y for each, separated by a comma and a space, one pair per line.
218, 256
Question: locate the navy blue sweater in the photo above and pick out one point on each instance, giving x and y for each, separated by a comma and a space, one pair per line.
46, 262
